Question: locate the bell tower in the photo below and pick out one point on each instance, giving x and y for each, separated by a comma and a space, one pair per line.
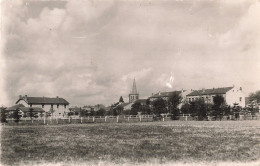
133, 96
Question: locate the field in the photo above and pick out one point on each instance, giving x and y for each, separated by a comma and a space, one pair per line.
147, 143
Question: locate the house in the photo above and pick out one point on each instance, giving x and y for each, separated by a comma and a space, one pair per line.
232, 95
166, 95
25, 111
56, 105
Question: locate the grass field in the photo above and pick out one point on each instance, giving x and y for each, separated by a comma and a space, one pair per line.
149, 143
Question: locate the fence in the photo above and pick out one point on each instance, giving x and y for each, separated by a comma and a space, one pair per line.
119, 119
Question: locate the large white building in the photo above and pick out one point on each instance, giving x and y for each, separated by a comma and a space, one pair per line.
232, 95
59, 105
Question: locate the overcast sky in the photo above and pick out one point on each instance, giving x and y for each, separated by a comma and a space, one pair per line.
89, 52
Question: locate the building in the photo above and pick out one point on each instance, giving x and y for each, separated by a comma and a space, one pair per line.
134, 95
57, 106
25, 111
166, 95
231, 95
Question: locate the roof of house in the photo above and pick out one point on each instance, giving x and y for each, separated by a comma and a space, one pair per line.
210, 91
163, 94
34, 109
142, 101
43, 100
14, 107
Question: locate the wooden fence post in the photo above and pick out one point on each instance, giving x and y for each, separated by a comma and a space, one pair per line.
186, 118
117, 118
57, 120
105, 118
43, 120
80, 119
140, 118
128, 118
93, 118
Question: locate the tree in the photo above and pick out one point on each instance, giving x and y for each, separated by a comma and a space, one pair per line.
3, 114
198, 108
218, 106
31, 113
255, 96
101, 112
135, 108
121, 100
185, 108
159, 106
16, 115
173, 103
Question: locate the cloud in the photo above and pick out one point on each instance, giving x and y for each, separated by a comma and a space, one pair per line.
89, 51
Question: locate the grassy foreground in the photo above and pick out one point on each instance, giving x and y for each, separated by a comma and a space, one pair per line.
138, 143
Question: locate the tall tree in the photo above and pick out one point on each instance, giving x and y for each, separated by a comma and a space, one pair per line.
218, 106
159, 106
198, 108
173, 103
185, 108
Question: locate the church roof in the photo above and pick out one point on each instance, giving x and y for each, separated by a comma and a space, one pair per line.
134, 89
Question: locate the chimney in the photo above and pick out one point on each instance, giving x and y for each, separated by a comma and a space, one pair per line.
191, 90
57, 96
25, 97
20, 97
240, 88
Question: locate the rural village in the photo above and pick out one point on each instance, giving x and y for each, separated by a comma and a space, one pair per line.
225, 103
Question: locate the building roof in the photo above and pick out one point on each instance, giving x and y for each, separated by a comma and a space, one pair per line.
163, 94
35, 109
14, 107
142, 101
210, 91
43, 100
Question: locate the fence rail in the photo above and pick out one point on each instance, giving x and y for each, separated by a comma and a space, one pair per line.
121, 118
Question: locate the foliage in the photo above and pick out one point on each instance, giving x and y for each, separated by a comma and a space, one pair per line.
185, 108
159, 106
173, 103
255, 96
121, 100
198, 108
101, 112
3, 114
52, 111
31, 113
218, 107
16, 115
135, 108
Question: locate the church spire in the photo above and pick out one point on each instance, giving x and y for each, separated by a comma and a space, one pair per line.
134, 90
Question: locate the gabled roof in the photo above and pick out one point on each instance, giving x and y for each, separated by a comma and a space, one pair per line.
43, 100
142, 101
210, 91
14, 107
163, 94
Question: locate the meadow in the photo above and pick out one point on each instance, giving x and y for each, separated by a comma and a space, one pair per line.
140, 143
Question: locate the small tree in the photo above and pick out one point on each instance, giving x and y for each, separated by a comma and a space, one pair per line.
52, 111
16, 115
159, 106
255, 96
121, 100
31, 113
185, 108
101, 112
3, 115
135, 108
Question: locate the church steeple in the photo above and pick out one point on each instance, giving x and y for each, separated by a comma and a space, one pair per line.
134, 90
133, 96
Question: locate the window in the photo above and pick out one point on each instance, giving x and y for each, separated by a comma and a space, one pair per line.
240, 98
65, 106
51, 105
30, 105
57, 105
42, 105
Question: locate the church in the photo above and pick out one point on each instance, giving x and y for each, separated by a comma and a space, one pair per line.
133, 97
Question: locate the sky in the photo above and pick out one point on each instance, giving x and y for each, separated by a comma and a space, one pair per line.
89, 52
